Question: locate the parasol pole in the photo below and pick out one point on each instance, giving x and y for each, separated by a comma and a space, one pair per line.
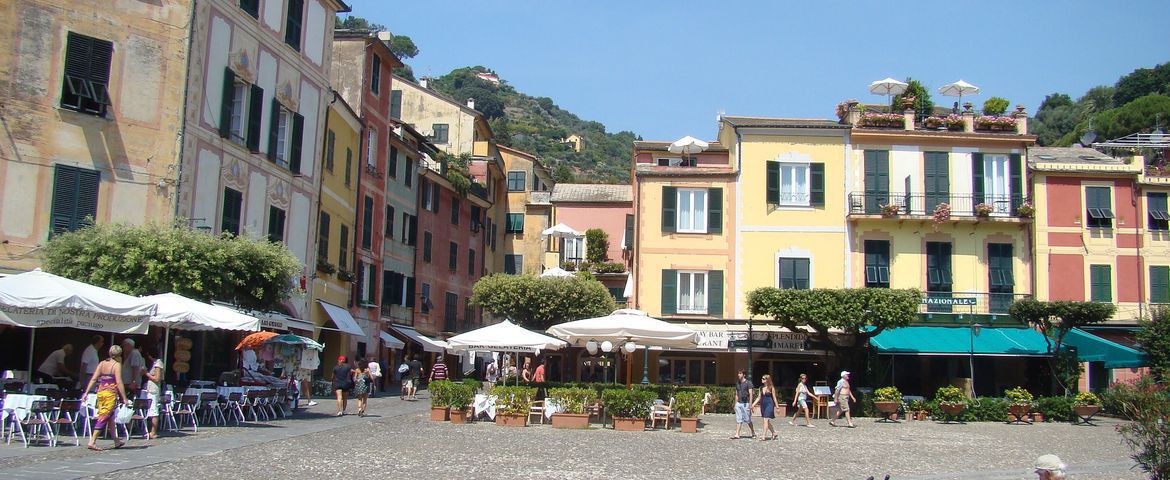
31, 343
166, 348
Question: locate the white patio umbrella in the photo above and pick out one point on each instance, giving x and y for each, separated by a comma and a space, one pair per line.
39, 299
888, 87
556, 272
625, 325
687, 145
560, 230
958, 89
181, 313
504, 337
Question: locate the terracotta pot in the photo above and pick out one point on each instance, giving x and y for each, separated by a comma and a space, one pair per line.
1086, 410
953, 409
1018, 412
459, 415
439, 414
1038, 417
629, 424
512, 419
570, 420
886, 407
689, 425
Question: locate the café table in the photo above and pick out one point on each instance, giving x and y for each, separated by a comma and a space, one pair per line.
485, 404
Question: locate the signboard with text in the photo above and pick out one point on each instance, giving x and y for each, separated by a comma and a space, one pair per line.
948, 301
761, 341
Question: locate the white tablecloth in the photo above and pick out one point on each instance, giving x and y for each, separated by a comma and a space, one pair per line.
552, 407
485, 403
202, 384
19, 404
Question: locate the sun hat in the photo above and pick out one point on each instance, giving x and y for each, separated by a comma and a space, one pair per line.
1049, 462
844, 373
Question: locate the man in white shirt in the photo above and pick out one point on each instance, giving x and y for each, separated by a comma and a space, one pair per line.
375, 375
90, 358
54, 365
132, 365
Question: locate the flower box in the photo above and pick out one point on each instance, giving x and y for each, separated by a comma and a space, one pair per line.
995, 122
570, 420
893, 120
439, 414
512, 419
629, 424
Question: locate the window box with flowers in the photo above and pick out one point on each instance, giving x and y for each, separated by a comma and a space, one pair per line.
994, 122
1026, 210
983, 210
942, 213
953, 122
933, 122
326, 267
345, 275
890, 210
883, 120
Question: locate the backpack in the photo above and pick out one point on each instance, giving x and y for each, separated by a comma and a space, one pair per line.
403, 368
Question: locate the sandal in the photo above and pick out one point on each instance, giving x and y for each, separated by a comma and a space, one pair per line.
91, 447
735, 437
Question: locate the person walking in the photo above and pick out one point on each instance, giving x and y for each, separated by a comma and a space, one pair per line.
800, 402
439, 369
539, 375
108, 379
744, 393
342, 383
843, 393
767, 403
361, 386
415, 374
154, 378
375, 370
132, 366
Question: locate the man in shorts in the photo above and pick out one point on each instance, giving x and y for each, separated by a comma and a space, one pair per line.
413, 376
744, 397
843, 394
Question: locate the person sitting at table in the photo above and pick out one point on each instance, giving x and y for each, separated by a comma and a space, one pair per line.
154, 377
108, 378
54, 365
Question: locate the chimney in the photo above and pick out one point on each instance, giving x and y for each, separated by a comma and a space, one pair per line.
422, 82
471, 103
1021, 117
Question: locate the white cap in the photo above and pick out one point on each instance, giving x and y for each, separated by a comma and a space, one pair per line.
1049, 462
844, 373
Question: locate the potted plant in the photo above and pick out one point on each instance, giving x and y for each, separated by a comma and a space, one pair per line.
933, 122
994, 122
883, 120
890, 210
951, 401
325, 267
513, 404
689, 405
1019, 404
953, 122
345, 275
1086, 404
459, 397
887, 401
439, 399
916, 410
1025, 210
983, 210
941, 213
573, 401
629, 408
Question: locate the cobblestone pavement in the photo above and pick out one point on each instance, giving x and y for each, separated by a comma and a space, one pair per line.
315, 445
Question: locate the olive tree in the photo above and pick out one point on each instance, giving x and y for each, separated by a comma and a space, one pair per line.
1054, 320
852, 310
540, 302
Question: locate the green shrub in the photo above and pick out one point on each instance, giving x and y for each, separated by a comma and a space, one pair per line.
995, 106
916, 406
1086, 398
440, 393
573, 400
628, 403
474, 384
689, 404
1055, 409
724, 399
1018, 396
949, 394
865, 404
887, 394
1147, 404
986, 409
460, 395
513, 400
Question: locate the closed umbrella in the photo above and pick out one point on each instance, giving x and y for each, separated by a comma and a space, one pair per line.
888, 87
958, 89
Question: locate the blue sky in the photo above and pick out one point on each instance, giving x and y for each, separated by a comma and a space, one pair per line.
664, 69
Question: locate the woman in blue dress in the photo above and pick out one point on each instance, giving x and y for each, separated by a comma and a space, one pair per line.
767, 403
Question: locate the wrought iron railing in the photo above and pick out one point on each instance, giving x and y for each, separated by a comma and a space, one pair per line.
989, 307
926, 204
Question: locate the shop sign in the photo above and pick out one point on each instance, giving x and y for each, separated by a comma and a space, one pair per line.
944, 301
761, 341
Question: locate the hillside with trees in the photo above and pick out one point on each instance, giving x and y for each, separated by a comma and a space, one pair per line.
1137, 103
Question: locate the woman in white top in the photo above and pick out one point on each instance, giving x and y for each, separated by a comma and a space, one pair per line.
800, 401
154, 377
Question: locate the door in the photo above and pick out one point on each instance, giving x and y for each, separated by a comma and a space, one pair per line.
877, 180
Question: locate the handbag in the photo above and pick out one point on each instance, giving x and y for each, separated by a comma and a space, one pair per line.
123, 414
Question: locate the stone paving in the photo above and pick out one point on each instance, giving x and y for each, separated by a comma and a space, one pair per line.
397, 439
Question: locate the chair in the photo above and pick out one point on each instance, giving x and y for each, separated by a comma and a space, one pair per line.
67, 415
232, 408
253, 405
166, 413
209, 406
36, 423
269, 397
537, 408
141, 408
662, 412
186, 410
709, 402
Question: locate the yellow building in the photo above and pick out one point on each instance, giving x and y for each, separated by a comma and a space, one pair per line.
337, 205
528, 213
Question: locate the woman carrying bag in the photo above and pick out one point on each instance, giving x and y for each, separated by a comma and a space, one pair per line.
108, 378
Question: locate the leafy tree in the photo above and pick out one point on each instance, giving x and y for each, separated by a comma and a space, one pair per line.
539, 303
850, 309
1097, 99
1142, 82
922, 102
563, 174
152, 258
1136, 116
354, 22
596, 245
401, 45
995, 106
1055, 320
1154, 338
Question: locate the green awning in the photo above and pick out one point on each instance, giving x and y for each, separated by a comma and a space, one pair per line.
1091, 348
930, 340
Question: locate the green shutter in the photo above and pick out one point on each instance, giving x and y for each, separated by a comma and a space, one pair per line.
1100, 283
977, 178
61, 216
669, 203
1016, 180
772, 184
628, 244
714, 210
298, 136
273, 127
715, 293
255, 113
1159, 284
225, 106
669, 291
816, 189
936, 175
877, 180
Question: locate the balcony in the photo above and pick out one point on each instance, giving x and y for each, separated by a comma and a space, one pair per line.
955, 308
540, 198
922, 206
479, 190
372, 171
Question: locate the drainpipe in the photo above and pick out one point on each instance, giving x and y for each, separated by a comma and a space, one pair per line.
1138, 240
183, 112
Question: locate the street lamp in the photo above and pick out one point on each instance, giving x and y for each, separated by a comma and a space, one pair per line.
974, 330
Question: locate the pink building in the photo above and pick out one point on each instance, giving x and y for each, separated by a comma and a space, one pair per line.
607, 207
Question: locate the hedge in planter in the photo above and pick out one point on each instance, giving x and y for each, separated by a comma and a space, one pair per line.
629, 408
512, 404
574, 401
459, 396
688, 405
440, 399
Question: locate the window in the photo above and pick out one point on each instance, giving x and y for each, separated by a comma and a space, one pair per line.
515, 223
425, 297
409, 174
1001, 281
368, 224
1100, 283
513, 264
435, 191
1157, 212
1098, 207
470, 262
692, 210
396, 104
793, 183
686, 371
877, 264
453, 257
343, 256
285, 137
476, 222
392, 287
388, 228
425, 194
409, 229
251, 6
439, 132
628, 236
375, 74
692, 292
87, 74
573, 249
1159, 284
275, 224
516, 181
292, 25
392, 169
877, 180
369, 284
450, 311
938, 273
997, 183
455, 211
794, 273
75, 198
427, 247
348, 166
240, 111
330, 142
371, 147
323, 238
232, 206
468, 317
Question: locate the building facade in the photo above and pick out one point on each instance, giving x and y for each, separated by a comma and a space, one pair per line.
528, 212
608, 208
